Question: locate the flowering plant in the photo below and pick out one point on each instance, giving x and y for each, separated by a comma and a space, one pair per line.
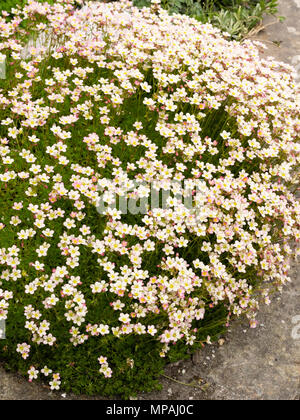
114, 104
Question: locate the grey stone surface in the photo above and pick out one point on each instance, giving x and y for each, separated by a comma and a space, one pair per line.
283, 39
262, 363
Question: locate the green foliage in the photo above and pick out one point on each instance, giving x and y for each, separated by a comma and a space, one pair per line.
81, 375
236, 17
240, 20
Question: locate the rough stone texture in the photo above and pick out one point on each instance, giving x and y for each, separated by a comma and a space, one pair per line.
283, 39
263, 363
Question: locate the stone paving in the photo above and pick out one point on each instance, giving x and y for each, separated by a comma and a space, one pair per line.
263, 363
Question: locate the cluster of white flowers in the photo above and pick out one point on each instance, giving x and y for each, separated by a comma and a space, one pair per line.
209, 113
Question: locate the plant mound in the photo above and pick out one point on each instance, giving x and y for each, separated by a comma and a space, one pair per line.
147, 169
